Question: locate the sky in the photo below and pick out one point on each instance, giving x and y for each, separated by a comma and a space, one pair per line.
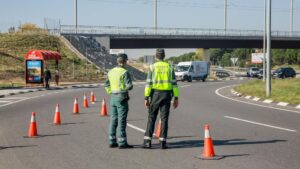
209, 14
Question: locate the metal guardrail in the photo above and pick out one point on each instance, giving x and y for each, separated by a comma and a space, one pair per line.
113, 30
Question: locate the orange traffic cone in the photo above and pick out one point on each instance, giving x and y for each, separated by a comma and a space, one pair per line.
103, 108
208, 151
92, 97
158, 128
85, 101
56, 120
32, 126
76, 107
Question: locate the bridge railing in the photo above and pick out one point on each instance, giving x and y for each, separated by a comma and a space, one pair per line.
113, 30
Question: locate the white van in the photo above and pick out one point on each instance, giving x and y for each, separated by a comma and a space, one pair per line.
194, 70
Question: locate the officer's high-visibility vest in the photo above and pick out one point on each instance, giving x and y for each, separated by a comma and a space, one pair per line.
161, 78
116, 80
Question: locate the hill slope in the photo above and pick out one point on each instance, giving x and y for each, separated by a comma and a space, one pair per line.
13, 48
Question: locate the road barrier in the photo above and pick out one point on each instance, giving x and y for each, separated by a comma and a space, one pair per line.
208, 150
158, 129
76, 107
32, 132
92, 97
103, 108
57, 120
85, 101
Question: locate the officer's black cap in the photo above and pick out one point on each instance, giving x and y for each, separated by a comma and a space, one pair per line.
160, 52
123, 56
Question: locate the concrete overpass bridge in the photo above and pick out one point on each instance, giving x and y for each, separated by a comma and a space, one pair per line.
147, 37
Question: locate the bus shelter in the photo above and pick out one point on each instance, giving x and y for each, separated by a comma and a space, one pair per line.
34, 64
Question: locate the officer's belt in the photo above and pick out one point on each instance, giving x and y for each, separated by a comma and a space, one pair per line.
120, 93
161, 91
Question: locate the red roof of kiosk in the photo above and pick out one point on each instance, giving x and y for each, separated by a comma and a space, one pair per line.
42, 55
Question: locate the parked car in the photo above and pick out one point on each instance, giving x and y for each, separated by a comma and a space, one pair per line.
252, 72
284, 72
260, 74
222, 73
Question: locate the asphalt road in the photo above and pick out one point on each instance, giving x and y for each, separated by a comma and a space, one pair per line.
248, 136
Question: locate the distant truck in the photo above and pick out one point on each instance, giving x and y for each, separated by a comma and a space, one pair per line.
194, 70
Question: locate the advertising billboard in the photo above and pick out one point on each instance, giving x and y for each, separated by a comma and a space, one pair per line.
34, 73
257, 57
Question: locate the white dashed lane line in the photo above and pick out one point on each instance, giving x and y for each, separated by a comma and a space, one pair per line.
136, 128
184, 86
260, 124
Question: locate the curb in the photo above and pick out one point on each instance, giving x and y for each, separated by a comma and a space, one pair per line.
284, 104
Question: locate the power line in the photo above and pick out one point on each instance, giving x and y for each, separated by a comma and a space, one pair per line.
233, 5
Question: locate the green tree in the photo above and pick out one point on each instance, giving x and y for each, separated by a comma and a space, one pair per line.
215, 55
278, 56
225, 61
243, 55
199, 55
291, 56
298, 58
141, 59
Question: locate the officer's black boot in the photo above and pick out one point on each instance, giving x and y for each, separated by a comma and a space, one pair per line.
163, 145
147, 144
125, 146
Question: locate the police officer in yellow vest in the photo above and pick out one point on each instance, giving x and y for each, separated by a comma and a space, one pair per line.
161, 87
117, 86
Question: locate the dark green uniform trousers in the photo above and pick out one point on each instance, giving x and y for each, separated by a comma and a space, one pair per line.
118, 119
160, 101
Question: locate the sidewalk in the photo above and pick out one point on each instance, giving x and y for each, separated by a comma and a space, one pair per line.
65, 85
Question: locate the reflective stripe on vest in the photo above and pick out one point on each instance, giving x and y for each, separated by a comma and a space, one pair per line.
116, 79
161, 76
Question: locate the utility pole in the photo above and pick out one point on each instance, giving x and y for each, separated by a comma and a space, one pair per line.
291, 17
225, 15
75, 15
264, 47
73, 67
268, 84
155, 16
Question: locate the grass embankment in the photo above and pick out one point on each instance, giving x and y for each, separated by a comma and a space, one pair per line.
283, 90
13, 48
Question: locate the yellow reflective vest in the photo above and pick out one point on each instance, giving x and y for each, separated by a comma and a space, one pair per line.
161, 76
116, 81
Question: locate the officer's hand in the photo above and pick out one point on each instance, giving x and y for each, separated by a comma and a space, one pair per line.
175, 104
147, 104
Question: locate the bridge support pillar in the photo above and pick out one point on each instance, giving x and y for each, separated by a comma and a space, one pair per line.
206, 54
104, 41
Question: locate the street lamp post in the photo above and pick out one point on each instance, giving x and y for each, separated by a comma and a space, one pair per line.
225, 15
155, 16
75, 15
291, 17
268, 84
264, 47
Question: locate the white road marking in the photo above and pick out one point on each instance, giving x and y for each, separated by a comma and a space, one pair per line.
25, 98
4, 101
17, 101
184, 86
255, 98
260, 124
282, 104
217, 92
13, 98
268, 101
136, 128
248, 97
